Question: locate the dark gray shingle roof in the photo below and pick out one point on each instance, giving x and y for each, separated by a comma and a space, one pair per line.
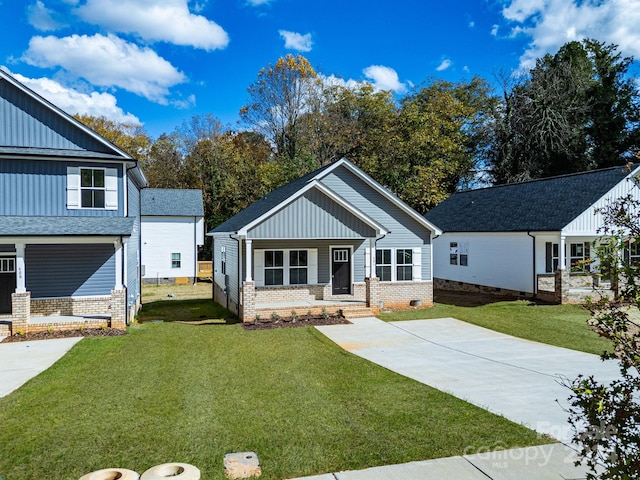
539, 205
49, 226
170, 202
266, 203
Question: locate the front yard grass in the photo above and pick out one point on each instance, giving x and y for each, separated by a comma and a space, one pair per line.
559, 325
174, 392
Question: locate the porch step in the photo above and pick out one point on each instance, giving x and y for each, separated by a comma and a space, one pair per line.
357, 312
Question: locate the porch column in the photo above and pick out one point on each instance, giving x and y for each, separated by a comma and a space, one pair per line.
562, 257
372, 260
117, 245
21, 280
248, 264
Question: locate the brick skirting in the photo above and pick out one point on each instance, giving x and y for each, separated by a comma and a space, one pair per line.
42, 307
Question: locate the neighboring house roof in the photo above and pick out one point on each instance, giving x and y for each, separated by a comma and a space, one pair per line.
284, 195
538, 205
58, 226
171, 202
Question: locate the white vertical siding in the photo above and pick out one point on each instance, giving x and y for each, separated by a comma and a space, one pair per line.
162, 236
501, 260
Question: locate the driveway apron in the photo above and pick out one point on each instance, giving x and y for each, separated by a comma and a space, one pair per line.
509, 376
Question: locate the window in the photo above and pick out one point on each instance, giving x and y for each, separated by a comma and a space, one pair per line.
274, 267
580, 253
551, 257
298, 262
7, 265
175, 260
223, 260
453, 253
404, 264
634, 254
92, 188
95, 188
383, 265
459, 253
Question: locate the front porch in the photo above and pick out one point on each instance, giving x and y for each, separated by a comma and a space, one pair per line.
565, 287
348, 308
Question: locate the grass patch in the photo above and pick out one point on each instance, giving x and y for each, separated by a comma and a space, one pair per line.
559, 325
199, 290
175, 392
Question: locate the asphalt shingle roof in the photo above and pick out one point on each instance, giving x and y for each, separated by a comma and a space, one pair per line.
539, 205
49, 226
170, 202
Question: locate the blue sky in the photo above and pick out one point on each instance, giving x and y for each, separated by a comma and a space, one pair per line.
158, 62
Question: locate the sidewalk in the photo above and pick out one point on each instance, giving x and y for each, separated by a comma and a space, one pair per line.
546, 462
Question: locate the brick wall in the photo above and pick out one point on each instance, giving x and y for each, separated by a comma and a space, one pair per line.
398, 295
118, 309
70, 306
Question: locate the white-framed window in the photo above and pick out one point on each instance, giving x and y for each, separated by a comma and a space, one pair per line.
7, 265
383, 264
633, 254
552, 257
175, 260
459, 253
404, 264
223, 260
276, 267
580, 256
92, 188
396, 264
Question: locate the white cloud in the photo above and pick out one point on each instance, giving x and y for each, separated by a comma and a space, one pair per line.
552, 23
72, 101
445, 64
494, 30
472, 24
255, 3
108, 62
42, 17
296, 41
156, 20
384, 78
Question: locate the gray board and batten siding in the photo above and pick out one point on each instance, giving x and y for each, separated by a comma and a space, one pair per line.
39, 188
25, 124
134, 247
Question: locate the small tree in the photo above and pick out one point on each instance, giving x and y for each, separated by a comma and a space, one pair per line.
606, 418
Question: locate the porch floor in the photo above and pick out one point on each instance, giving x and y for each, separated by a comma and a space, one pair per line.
57, 319
310, 304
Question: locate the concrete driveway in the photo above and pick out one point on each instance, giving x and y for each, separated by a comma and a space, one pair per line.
515, 378
21, 361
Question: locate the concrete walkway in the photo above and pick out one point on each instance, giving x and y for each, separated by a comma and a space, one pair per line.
515, 378
21, 361
547, 462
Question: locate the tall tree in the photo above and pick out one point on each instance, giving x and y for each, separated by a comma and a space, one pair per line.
576, 110
130, 137
280, 96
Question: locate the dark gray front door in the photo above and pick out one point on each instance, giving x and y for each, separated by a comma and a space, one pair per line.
341, 271
7, 282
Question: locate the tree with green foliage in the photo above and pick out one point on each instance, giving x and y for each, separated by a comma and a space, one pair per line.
130, 137
606, 417
576, 110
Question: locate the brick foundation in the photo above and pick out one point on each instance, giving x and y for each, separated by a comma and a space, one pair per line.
41, 307
119, 309
248, 304
20, 312
399, 295
373, 294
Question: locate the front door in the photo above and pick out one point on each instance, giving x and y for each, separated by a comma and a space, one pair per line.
7, 282
341, 271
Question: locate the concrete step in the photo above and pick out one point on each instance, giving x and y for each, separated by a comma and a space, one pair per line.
357, 313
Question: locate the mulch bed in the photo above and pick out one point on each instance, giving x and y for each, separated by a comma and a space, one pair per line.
303, 321
87, 332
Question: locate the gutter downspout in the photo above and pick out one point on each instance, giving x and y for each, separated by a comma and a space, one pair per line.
535, 277
238, 239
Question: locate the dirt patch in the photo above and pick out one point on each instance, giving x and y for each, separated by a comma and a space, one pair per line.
305, 321
469, 299
87, 332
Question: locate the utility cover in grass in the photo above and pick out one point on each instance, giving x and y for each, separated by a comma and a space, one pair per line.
242, 465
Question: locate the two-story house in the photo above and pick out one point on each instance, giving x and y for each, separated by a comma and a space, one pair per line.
69, 219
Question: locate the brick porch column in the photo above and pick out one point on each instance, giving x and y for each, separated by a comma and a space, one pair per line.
373, 294
248, 307
119, 309
20, 312
562, 286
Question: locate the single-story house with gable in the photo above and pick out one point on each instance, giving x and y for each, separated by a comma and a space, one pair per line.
332, 239
527, 239
172, 233
69, 219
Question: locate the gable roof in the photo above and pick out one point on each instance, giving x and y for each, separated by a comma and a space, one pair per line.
284, 195
171, 202
547, 204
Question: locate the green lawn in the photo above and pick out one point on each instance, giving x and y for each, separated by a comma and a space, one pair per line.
175, 392
559, 325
